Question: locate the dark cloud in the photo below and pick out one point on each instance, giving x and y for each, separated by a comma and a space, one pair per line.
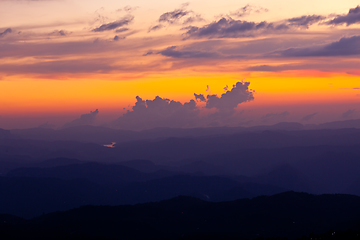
309, 117
352, 17
6, 31
343, 47
172, 52
306, 20
117, 38
231, 99
200, 97
349, 113
177, 16
223, 28
113, 25
173, 16
325, 65
248, 9
230, 28
265, 68
227, 27
85, 119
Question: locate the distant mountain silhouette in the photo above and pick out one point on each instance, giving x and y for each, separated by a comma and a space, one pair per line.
4, 134
56, 162
92, 171
104, 135
289, 215
355, 123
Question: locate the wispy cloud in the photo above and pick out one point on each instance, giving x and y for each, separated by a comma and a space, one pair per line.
114, 25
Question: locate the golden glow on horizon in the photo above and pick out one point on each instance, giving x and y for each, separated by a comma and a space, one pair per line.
27, 95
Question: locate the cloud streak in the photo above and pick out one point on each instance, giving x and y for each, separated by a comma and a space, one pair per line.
6, 31
344, 47
113, 25
247, 10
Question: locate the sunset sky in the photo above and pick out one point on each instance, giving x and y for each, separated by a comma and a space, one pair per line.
293, 61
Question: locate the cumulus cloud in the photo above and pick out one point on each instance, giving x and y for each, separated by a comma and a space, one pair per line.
309, 117
162, 112
113, 25
85, 119
352, 17
228, 101
6, 31
159, 112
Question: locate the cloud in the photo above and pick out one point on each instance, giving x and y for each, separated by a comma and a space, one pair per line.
59, 33
6, 31
117, 38
225, 28
156, 27
200, 97
349, 113
173, 16
343, 47
159, 112
163, 112
228, 27
228, 101
85, 119
172, 52
247, 10
306, 20
177, 16
231, 28
195, 18
352, 17
113, 25
121, 30
309, 117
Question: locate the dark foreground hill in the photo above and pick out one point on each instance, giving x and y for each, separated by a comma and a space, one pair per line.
32, 196
288, 215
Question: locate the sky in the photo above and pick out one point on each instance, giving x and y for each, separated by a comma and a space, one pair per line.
143, 64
